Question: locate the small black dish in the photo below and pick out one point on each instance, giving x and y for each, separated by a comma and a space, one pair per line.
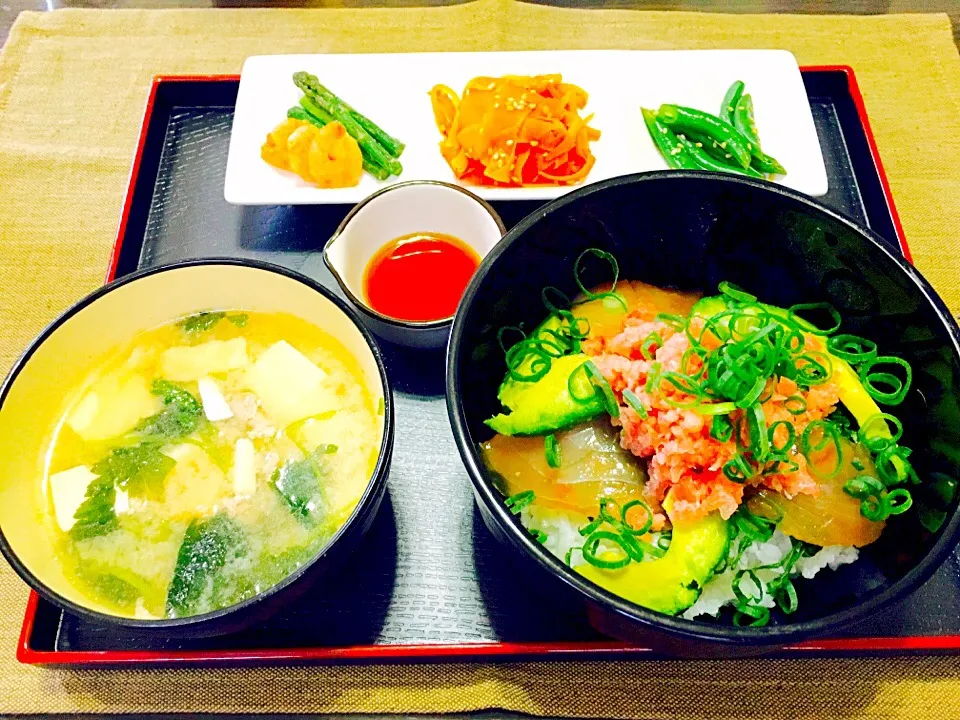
31, 400
690, 230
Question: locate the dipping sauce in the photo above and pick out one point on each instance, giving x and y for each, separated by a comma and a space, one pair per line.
420, 276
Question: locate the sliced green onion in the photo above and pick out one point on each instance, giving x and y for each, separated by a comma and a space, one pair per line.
721, 428
897, 501
863, 486
684, 384
757, 432
754, 527
516, 503
651, 340
791, 436
677, 322
736, 292
539, 535
873, 509
603, 387
738, 470
552, 307
852, 348
795, 405
874, 441
509, 328
663, 542
552, 449
805, 324
592, 545
639, 549
786, 595
614, 266
746, 615
746, 596
897, 388
816, 369
634, 402
609, 512
653, 378
829, 433
518, 354
591, 526
723, 408
648, 517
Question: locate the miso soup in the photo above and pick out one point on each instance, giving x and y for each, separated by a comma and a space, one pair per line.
207, 460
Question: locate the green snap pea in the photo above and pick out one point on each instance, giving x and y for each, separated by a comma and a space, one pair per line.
700, 155
730, 101
744, 121
696, 122
666, 141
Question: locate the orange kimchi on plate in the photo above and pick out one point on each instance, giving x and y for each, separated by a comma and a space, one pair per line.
515, 130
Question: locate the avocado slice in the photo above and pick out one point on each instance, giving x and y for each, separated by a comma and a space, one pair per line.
672, 583
545, 406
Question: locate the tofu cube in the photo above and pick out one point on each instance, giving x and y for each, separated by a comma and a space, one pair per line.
288, 385
192, 362
68, 490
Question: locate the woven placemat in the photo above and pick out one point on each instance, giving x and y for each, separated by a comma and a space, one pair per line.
72, 89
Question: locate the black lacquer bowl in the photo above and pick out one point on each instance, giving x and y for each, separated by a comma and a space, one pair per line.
56, 362
689, 230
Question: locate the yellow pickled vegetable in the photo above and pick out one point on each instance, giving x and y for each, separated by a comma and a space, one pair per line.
327, 157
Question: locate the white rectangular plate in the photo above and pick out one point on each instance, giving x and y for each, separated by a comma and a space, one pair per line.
393, 91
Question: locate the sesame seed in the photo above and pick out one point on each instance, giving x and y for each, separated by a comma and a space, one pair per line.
533, 143
724, 144
496, 105
509, 142
700, 145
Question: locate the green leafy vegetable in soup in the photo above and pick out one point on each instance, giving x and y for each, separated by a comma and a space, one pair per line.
205, 461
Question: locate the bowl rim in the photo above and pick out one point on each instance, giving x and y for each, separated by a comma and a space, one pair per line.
361, 305
374, 486
655, 621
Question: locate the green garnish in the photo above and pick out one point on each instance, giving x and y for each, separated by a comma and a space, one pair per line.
204, 321
852, 348
886, 387
634, 402
96, 514
807, 325
552, 449
182, 414
299, 483
201, 322
650, 343
591, 548
207, 546
516, 503
138, 470
603, 388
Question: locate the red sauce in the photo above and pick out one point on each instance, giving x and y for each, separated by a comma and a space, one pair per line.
420, 276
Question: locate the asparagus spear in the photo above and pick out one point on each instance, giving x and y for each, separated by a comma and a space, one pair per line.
342, 114
391, 144
299, 113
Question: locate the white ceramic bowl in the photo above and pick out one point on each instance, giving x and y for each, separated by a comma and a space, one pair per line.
403, 209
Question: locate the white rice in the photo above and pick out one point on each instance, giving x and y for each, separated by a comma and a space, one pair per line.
563, 534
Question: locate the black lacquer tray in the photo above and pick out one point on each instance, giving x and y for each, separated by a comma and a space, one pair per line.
429, 583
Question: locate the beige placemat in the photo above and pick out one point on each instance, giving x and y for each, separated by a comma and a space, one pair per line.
72, 91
